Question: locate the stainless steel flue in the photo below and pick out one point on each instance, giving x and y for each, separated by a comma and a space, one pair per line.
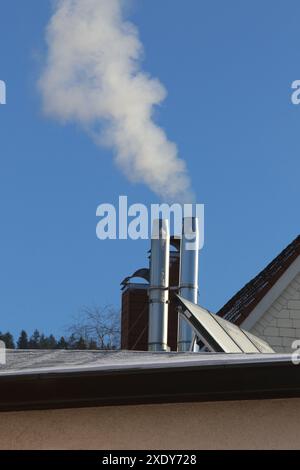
188, 278
159, 286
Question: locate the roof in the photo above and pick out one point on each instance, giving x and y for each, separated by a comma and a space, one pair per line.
239, 307
69, 379
28, 362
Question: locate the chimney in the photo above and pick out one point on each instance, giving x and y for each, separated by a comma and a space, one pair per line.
188, 278
159, 286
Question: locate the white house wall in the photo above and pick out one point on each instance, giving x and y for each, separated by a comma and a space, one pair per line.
279, 325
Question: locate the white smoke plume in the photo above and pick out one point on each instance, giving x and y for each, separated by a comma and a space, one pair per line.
93, 76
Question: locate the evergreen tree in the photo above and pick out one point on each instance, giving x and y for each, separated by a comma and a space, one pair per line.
8, 340
62, 343
22, 342
72, 341
47, 342
43, 343
80, 344
52, 343
34, 342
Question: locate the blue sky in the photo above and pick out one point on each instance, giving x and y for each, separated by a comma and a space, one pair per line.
228, 68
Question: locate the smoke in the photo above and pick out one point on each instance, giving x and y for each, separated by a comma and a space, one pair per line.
93, 76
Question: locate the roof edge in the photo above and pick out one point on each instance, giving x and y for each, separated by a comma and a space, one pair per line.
239, 307
231, 381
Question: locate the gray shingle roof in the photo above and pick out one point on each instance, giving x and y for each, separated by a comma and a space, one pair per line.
38, 361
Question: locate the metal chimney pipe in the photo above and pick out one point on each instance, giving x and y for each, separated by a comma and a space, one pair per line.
188, 278
159, 286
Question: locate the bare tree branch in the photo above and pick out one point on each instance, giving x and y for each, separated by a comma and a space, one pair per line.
100, 325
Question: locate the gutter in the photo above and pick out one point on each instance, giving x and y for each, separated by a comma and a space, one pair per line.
220, 381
